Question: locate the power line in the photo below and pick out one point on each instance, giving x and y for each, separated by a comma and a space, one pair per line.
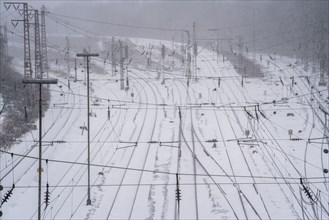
119, 25
166, 142
165, 184
157, 171
76, 29
207, 104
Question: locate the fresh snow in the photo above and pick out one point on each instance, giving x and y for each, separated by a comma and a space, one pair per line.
256, 179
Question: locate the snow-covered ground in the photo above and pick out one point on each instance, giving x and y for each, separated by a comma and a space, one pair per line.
233, 156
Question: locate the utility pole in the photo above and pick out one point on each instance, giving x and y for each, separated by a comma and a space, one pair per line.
44, 54
188, 57
183, 49
172, 56
163, 54
189, 72
26, 24
87, 55
217, 44
113, 57
5, 39
75, 70
40, 82
67, 56
126, 59
194, 172
149, 59
217, 41
38, 59
195, 51
240, 46
122, 83
178, 192
85, 65
180, 134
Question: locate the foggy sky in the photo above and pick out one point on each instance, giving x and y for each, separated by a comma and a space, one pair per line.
234, 18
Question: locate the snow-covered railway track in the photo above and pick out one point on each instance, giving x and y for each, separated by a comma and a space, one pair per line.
65, 193
255, 132
238, 116
126, 173
271, 137
18, 160
200, 156
32, 150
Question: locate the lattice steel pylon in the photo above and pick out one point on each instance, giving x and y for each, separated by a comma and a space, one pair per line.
113, 52
67, 56
5, 39
44, 56
195, 52
27, 52
37, 47
122, 83
27, 48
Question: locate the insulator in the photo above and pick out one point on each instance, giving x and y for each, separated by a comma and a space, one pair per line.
307, 192
309, 195
7, 195
256, 114
178, 195
47, 196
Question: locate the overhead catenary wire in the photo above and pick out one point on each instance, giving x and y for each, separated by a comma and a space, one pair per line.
119, 25
150, 103
277, 102
76, 175
160, 184
64, 51
185, 106
247, 164
62, 141
278, 44
154, 171
256, 133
